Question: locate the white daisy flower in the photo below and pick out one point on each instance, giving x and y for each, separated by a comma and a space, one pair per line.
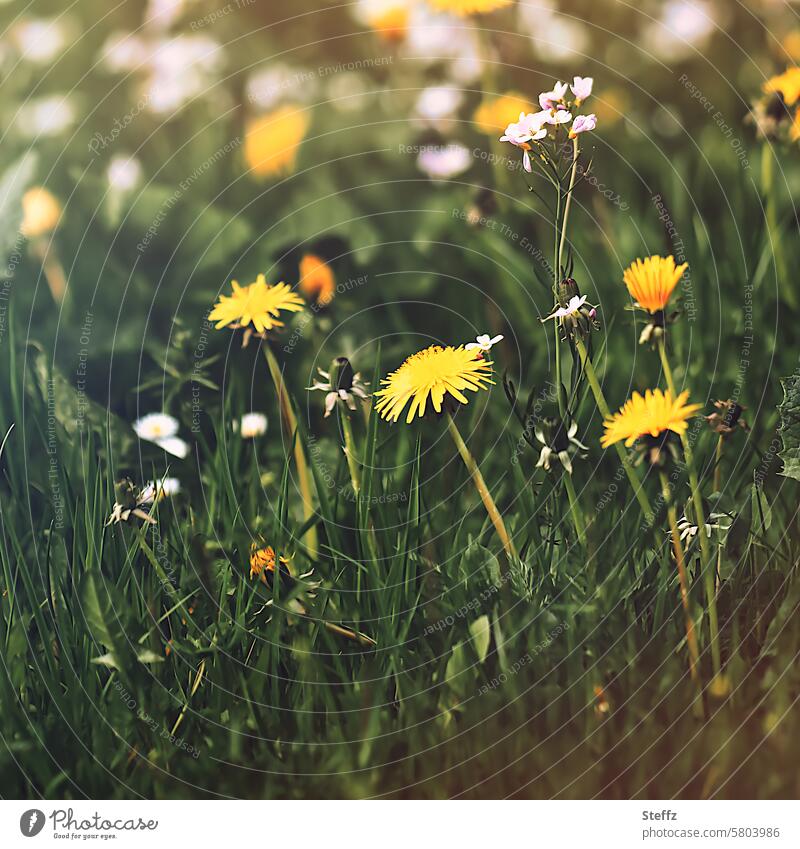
162, 488
173, 445
484, 342
124, 173
155, 426
40, 41
253, 425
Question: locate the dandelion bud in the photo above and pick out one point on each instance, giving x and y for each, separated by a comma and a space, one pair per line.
342, 374
567, 290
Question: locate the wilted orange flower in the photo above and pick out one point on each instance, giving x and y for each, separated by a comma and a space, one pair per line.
262, 560
316, 279
496, 114
271, 142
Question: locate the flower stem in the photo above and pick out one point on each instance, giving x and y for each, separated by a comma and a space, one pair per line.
597, 391
483, 491
575, 508
718, 463
697, 503
691, 637
349, 452
290, 426
568, 204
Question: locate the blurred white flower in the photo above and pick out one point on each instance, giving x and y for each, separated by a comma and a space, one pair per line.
253, 425
684, 25
182, 68
435, 38
162, 488
155, 426
173, 445
124, 173
442, 163
162, 14
437, 104
39, 40
268, 86
349, 92
554, 37
124, 51
46, 116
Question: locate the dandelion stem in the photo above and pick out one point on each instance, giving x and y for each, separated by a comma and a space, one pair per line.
350, 453
483, 490
574, 505
697, 503
718, 463
290, 426
691, 636
597, 391
568, 204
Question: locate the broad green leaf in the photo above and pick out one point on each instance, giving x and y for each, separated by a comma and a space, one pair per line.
481, 633
789, 430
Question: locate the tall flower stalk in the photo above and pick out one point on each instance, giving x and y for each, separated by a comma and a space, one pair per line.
436, 379
255, 309
290, 425
706, 558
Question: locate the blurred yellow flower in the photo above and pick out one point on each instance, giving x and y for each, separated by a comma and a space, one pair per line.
652, 281
257, 303
650, 415
787, 83
469, 7
613, 106
40, 213
791, 44
390, 22
272, 141
316, 280
434, 372
496, 114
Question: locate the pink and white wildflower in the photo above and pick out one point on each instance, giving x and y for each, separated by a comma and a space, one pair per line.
551, 99
529, 128
583, 124
582, 88
573, 307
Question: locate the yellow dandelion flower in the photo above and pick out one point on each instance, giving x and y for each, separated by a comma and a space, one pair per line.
469, 7
316, 279
794, 131
650, 415
432, 373
652, 281
391, 23
262, 560
496, 114
271, 142
40, 213
787, 83
257, 303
